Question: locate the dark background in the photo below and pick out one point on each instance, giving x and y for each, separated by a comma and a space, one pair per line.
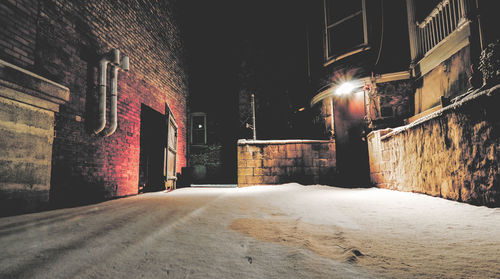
247, 46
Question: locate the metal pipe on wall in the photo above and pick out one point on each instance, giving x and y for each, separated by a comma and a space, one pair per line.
114, 95
112, 58
113, 110
101, 98
253, 118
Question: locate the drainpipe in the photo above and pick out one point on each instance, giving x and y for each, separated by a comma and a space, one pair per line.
112, 58
101, 99
113, 119
114, 95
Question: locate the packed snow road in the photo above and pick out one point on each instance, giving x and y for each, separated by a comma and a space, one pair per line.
287, 231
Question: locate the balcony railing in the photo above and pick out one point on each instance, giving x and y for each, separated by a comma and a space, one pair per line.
448, 16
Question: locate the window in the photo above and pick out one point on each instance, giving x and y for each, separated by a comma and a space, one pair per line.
198, 128
345, 28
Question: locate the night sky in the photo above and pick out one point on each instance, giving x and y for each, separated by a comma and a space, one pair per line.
227, 39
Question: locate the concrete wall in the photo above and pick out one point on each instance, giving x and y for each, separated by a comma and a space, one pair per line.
25, 161
453, 153
62, 40
28, 104
275, 162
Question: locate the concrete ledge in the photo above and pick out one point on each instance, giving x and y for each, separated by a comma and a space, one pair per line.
26, 87
469, 99
266, 142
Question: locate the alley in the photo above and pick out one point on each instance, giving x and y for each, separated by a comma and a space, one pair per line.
286, 231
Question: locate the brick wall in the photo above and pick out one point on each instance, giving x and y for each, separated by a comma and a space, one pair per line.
63, 41
453, 153
18, 33
275, 162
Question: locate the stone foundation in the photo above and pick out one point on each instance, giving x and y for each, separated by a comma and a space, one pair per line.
28, 103
452, 153
276, 162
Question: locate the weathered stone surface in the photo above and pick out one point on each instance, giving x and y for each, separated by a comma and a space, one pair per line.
273, 162
452, 154
25, 157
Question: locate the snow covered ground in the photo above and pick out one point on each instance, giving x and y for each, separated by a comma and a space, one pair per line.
287, 231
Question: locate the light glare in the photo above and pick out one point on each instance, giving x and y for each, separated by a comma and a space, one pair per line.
344, 88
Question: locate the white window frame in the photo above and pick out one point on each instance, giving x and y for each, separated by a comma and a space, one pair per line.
197, 114
330, 58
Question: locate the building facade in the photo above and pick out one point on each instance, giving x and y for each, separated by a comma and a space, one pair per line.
403, 76
65, 85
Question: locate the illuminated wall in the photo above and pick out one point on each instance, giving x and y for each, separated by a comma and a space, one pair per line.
268, 162
63, 41
453, 153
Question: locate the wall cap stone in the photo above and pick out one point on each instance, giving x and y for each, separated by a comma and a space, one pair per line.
266, 142
24, 86
470, 98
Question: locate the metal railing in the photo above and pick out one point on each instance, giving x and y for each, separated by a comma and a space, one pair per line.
446, 17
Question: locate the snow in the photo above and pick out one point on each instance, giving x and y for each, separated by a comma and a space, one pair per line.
285, 231
457, 104
267, 142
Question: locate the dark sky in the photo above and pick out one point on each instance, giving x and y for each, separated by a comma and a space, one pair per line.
220, 34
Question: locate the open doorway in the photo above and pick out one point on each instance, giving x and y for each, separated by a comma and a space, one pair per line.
152, 146
158, 150
351, 147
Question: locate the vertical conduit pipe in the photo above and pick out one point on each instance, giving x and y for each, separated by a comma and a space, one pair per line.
112, 58
113, 118
101, 98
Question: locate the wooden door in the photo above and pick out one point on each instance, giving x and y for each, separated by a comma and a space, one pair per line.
170, 151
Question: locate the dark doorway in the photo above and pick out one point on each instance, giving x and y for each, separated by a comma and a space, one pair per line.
351, 147
152, 147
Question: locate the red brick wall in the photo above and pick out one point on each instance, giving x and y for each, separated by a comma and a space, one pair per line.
18, 32
62, 41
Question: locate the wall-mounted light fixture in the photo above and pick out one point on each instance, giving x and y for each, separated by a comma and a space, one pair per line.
345, 88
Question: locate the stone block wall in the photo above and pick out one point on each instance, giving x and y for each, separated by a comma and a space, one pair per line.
63, 40
28, 104
25, 160
282, 161
453, 153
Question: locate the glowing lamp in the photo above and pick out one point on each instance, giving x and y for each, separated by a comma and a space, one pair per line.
345, 88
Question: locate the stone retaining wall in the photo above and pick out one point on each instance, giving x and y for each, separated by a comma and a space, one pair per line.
275, 162
452, 153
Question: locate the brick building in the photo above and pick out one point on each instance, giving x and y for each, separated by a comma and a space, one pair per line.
49, 99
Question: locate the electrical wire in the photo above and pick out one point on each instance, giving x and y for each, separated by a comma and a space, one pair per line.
382, 32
